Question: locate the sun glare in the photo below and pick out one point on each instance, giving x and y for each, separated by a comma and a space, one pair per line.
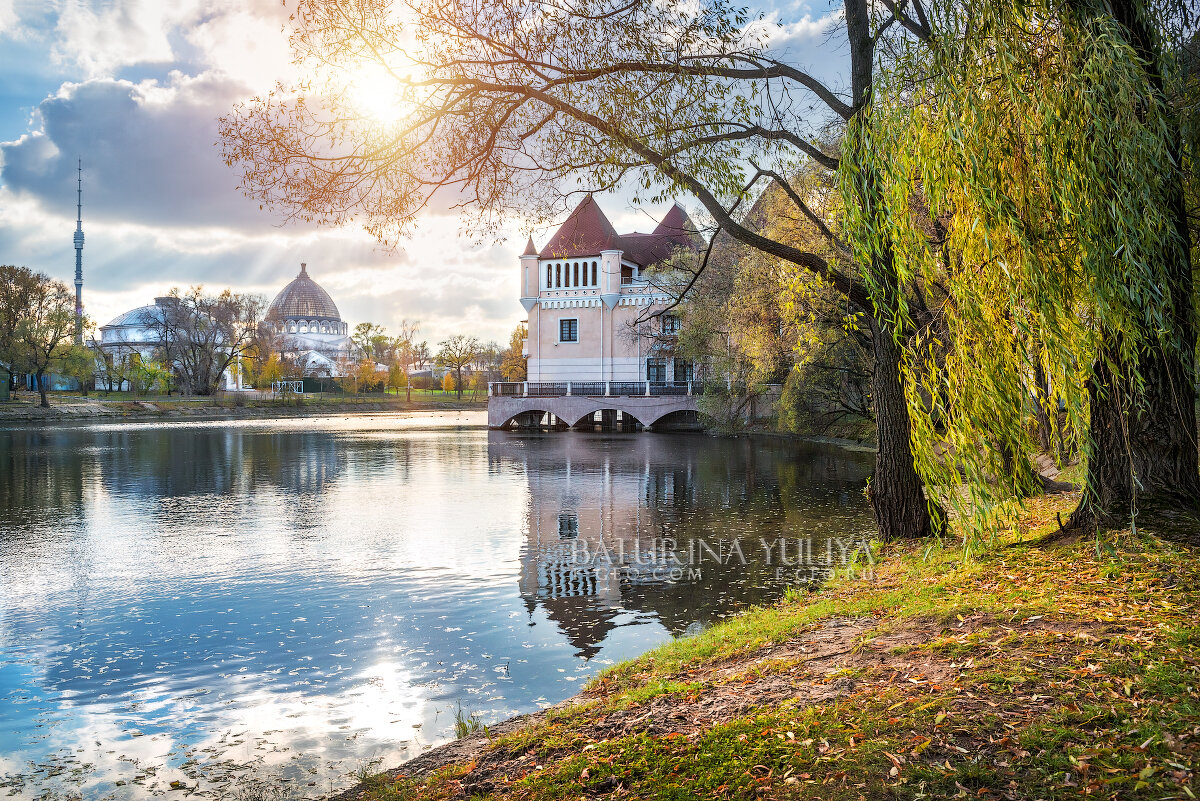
376, 93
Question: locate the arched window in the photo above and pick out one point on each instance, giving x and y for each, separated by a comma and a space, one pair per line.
576, 273
558, 275
549, 275
594, 281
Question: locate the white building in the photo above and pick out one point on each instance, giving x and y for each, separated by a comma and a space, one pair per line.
139, 332
308, 322
584, 291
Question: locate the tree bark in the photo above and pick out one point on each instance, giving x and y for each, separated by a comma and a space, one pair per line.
1144, 449
1143, 457
897, 492
41, 381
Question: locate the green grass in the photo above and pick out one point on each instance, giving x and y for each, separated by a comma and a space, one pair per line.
466, 724
132, 402
1076, 673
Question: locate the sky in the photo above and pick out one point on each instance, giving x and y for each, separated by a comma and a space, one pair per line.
134, 88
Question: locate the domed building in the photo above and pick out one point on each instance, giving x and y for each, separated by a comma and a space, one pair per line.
307, 319
139, 334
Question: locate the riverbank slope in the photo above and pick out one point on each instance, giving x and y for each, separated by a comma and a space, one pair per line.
69, 408
1036, 670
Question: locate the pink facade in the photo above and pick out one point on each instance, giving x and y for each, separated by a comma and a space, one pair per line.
585, 292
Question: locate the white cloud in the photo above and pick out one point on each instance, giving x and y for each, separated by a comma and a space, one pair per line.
101, 38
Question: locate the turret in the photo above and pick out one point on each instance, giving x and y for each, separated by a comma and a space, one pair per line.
529, 276
610, 277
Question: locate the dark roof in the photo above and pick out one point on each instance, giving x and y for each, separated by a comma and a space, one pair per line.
587, 232
530, 249
304, 298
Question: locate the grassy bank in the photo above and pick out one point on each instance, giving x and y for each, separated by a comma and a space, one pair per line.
1035, 671
124, 405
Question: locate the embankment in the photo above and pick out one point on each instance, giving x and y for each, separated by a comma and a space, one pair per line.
1033, 670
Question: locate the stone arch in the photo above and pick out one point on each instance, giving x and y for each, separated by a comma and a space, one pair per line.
678, 420
526, 419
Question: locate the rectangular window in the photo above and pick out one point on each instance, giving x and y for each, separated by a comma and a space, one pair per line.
656, 370
568, 526
568, 330
683, 371
670, 324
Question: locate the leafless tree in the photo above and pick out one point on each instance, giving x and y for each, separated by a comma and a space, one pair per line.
200, 336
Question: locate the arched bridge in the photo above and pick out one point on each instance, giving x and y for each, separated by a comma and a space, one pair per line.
612, 405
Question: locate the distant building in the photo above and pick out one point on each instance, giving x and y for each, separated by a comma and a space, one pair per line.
138, 333
586, 288
308, 323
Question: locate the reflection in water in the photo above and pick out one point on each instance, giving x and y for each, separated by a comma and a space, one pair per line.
683, 529
180, 602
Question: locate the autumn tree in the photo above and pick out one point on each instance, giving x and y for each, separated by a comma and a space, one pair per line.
1041, 140
457, 353
37, 322
405, 347
78, 361
365, 336
514, 365
17, 286
510, 105
422, 356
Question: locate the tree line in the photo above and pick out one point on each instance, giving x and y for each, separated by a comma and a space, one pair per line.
195, 339
1000, 206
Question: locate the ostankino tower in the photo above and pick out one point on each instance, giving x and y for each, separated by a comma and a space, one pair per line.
79, 259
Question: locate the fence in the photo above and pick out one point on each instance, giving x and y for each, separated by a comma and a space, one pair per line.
595, 389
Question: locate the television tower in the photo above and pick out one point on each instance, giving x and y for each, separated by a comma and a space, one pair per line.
79, 259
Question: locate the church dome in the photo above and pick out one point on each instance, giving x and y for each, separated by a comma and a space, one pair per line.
304, 298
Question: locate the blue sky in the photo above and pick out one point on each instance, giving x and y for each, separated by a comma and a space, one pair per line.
134, 88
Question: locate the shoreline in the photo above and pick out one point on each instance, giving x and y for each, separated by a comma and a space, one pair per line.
917, 671
100, 410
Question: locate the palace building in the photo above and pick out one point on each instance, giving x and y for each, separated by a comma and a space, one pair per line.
584, 292
308, 322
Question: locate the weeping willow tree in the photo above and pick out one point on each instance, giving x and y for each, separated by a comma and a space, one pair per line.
1028, 161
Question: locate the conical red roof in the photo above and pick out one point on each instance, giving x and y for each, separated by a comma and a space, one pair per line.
677, 227
530, 249
586, 232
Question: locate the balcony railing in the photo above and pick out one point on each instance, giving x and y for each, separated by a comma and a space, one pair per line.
593, 389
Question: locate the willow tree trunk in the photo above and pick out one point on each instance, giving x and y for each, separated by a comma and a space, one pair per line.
1143, 456
1144, 446
897, 492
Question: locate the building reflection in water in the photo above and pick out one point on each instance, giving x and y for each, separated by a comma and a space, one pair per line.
683, 529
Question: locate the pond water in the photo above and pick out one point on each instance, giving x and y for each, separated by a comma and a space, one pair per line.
293, 599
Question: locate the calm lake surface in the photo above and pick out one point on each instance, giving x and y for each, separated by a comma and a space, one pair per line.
292, 599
